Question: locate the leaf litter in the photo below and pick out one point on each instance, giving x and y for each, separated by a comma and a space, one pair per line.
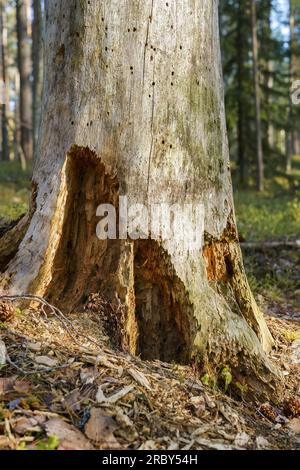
73, 391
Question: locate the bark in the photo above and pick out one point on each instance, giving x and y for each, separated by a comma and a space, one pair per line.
36, 67
259, 146
133, 105
240, 79
291, 131
24, 64
4, 102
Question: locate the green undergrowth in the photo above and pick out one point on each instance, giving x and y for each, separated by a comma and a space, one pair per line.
14, 190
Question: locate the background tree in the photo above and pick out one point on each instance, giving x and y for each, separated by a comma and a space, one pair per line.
37, 66
259, 148
25, 69
4, 98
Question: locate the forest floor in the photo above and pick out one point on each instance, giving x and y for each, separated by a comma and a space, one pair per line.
63, 386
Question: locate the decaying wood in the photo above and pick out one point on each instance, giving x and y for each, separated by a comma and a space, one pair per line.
133, 105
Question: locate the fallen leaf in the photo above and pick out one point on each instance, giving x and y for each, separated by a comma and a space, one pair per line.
100, 429
70, 438
22, 386
7, 384
72, 401
24, 425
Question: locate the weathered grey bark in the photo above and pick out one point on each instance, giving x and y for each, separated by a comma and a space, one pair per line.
24, 64
4, 144
36, 68
259, 146
133, 105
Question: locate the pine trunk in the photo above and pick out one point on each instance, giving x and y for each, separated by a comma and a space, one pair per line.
259, 147
36, 67
24, 64
4, 97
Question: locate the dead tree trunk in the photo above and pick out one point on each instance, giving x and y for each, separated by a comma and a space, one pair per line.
133, 105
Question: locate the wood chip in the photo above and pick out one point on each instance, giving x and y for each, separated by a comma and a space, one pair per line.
140, 378
101, 398
46, 361
3, 353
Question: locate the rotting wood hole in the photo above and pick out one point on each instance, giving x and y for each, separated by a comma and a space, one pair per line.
85, 266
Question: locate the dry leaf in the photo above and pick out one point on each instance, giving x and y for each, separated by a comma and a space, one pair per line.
72, 401
25, 425
100, 429
69, 437
22, 386
7, 384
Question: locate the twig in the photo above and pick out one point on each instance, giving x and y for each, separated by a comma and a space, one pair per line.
32, 372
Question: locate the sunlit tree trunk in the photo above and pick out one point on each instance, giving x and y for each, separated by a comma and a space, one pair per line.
37, 66
24, 64
4, 98
133, 105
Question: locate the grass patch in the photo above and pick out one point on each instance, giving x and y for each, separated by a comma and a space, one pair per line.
14, 190
267, 216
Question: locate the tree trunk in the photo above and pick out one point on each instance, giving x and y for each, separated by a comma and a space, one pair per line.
133, 106
4, 102
36, 67
290, 147
240, 79
259, 147
24, 64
